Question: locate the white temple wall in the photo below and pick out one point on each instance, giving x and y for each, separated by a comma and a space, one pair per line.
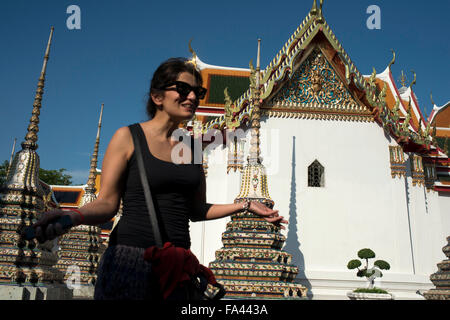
403, 242
355, 208
428, 231
222, 188
444, 207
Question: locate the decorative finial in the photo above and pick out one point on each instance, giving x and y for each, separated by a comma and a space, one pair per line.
194, 55
403, 79
92, 171
33, 128
314, 8
393, 59
414, 81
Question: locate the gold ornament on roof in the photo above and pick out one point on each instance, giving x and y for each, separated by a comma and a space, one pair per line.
314, 8
194, 55
373, 76
230, 110
347, 73
393, 59
414, 81
403, 79
252, 77
431, 97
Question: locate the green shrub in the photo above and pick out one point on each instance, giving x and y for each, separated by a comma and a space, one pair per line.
369, 273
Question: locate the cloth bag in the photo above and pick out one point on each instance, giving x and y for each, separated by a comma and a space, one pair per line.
178, 269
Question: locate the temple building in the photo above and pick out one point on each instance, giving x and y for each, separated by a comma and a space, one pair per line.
351, 161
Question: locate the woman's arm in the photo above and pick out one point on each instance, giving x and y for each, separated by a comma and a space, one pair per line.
107, 203
217, 211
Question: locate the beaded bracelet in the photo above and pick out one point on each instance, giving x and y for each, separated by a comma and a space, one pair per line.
246, 205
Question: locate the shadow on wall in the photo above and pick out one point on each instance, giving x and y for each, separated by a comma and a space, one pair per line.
292, 245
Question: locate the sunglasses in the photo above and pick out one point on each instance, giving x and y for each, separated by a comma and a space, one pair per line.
184, 89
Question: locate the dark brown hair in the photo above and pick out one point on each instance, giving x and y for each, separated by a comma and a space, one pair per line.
167, 73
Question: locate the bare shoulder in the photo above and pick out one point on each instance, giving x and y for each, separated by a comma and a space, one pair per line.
122, 141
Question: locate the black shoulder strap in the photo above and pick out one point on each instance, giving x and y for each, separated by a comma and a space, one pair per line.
145, 185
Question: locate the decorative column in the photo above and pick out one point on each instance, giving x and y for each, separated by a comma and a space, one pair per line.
26, 267
81, 248
251, 265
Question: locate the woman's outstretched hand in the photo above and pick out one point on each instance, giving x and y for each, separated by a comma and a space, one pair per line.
48, 227
267, 214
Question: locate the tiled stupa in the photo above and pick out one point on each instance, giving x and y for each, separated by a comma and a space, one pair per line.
251, 264
27, 268
81, 248
441, 279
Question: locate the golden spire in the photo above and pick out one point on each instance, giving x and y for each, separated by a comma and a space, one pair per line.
91, 180
256, 114
254, 178
33, 128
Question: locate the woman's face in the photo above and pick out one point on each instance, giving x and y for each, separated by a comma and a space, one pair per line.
179, 107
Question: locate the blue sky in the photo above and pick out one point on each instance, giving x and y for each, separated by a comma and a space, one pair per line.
111, 59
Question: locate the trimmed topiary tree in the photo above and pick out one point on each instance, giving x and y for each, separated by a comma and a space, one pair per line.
370, 274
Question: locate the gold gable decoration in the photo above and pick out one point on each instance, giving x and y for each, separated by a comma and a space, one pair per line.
317, 91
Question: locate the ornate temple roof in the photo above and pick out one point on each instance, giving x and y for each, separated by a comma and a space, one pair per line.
374, 97
314, 32
441, 117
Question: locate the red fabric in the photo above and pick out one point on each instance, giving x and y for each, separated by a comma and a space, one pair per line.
174, 265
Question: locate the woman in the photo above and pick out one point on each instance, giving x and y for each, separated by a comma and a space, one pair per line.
178, 189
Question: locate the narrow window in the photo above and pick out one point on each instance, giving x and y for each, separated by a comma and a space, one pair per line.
316, 175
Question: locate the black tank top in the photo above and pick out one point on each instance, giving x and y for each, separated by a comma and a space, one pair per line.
173, 187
